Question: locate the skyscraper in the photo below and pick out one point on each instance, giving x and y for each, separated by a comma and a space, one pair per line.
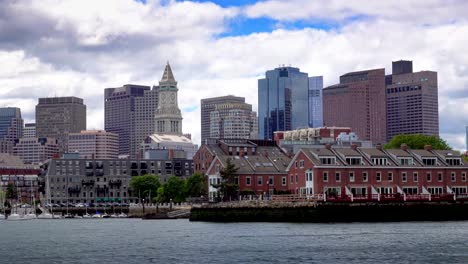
412, 101
358, 102
29, 130
315, 101
168, 117
129, 112
208, 105
11, 128
231, 117
283, 101
56, 117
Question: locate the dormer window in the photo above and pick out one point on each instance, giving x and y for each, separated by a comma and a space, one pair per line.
379, 161
453, 161
354, 161
328, 160
429, 161
406, 161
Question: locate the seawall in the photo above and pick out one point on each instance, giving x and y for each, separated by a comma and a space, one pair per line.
328, 213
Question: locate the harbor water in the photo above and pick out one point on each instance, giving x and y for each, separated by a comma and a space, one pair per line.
181, 241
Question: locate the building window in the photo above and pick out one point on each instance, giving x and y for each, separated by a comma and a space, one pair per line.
365, 176
337, 176
283, 181
247, 180
297, 179
378, 177
236, 180
454, 177
301, 163
415, 177
404, 178
328, 161
429, 161
440, 176
463, 176
428, 177
270, 180
325, 176
390, 176
260, 180
354, 161
351, 176
292, 179
379, 161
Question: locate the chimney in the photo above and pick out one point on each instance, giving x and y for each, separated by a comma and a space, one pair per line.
404, 147
328, 146
378, 146
428, 147
354, 146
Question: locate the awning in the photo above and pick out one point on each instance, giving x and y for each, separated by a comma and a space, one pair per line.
106, 199
98, 199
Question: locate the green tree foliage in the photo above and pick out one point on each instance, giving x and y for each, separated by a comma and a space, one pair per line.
11, 192
228, 187
174, 189
195, 185
417, 141
145, 185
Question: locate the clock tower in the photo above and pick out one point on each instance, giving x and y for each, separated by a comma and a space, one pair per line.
168, 116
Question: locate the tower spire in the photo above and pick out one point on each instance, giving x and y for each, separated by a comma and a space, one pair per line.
168, 76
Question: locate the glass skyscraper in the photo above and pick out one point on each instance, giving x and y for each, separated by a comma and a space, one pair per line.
283, 102
315, 101
11, 128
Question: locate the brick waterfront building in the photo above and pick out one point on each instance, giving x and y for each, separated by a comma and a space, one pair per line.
377, 173
261, 165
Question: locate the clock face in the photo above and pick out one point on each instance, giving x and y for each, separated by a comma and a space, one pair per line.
163, 96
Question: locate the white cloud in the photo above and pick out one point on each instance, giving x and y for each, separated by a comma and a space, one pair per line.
427, 11
81, 47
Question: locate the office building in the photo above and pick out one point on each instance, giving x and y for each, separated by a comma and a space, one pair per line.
208, 105
94, 144
412, 101
29, 130
56, 117
36, 150
315, 101
229, 117
129, 113
11, 128
358, 102
283, 101
168, 120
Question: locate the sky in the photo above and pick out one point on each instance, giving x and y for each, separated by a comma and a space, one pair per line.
80, 47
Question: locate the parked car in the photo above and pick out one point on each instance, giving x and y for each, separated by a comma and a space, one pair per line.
80, 205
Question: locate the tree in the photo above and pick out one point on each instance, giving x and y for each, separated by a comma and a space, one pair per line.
418, 141
145, 185
228, 187
11, 192
195, 185
174, 189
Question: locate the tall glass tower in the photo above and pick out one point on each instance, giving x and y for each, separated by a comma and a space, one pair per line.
315, 101
283, 102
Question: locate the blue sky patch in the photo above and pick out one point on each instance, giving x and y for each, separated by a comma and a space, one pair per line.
190, 109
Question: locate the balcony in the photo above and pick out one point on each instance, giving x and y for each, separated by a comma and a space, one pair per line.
87, 183
115, 183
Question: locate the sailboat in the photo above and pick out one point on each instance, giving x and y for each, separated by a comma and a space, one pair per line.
45, 214
15, 216
32, 211
2, 204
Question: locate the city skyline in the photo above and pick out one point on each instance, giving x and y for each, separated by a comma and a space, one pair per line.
61, 49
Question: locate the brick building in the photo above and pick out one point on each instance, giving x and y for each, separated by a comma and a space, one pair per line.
363, 173
261, 165
358, 102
